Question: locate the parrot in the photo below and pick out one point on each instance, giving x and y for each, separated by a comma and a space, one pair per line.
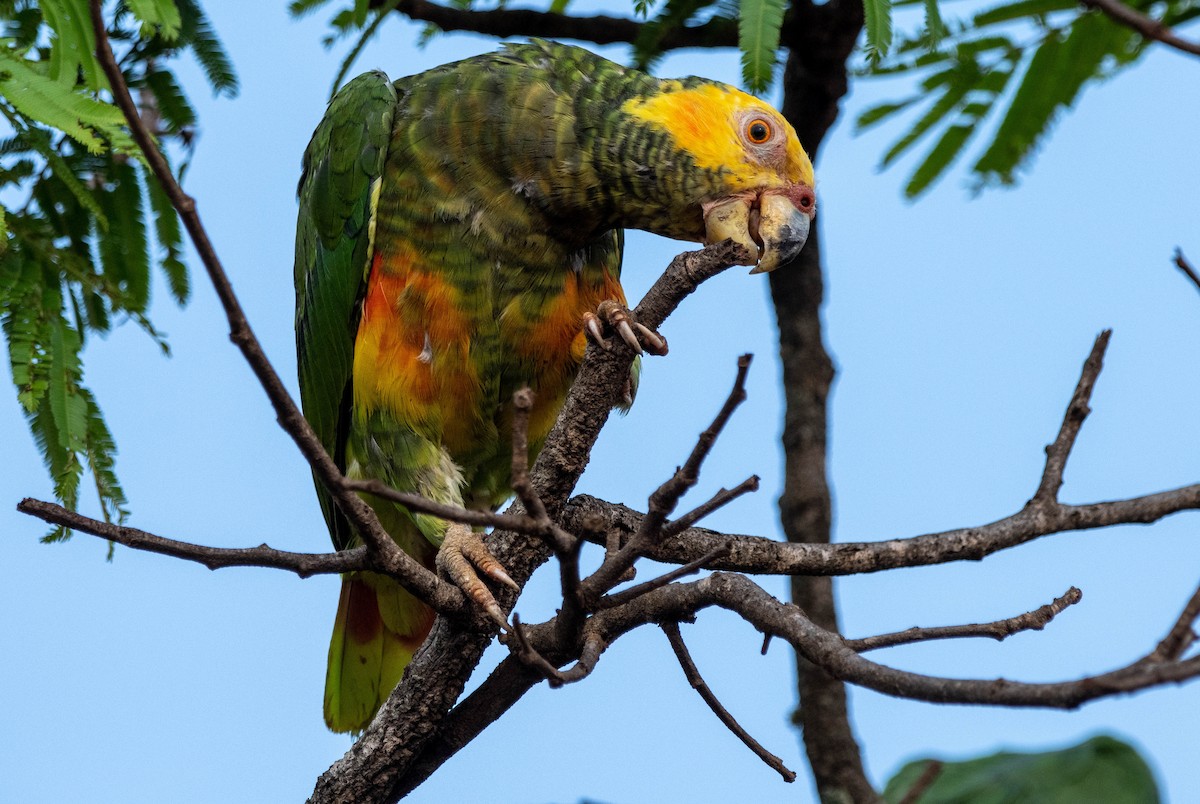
459, 237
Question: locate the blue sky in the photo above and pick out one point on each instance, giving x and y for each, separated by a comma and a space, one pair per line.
958, 326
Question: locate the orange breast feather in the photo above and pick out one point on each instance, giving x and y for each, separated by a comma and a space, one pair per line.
411, 356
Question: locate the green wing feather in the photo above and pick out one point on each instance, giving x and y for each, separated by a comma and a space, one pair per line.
333, 255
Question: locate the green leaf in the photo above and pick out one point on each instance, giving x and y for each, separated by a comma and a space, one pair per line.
935, 28
941, 108
73, 44
647, 48
1057, 71
173, 105
86, 120
877, 114
878, 22
39, 139
559, 6
759, 23
300, 8
198, 32
938, 159
1102, 770
101, 458
66, 405
159, 17
1020, 10
124, 250
170, 238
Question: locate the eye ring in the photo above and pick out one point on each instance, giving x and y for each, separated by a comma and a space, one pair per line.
759, 131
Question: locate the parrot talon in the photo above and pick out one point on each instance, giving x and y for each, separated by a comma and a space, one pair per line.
591, 325
655, 344
617, 317
627, 334
462, 556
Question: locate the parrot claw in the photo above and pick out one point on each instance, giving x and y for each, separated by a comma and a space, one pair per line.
591, 324
462, 556
617, 317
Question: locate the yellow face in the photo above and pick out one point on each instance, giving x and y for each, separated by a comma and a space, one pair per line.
724, 128
763, 198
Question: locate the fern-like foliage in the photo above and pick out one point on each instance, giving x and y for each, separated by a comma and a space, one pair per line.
1003, 76
84, 226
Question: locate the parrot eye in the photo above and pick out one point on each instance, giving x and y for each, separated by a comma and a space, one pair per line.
758, 131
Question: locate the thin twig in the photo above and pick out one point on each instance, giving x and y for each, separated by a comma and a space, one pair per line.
722, 498
1077, 410
303, 564
933, 769
1181, 262
1181, 636
593, 646
442, 596
998, 630
450, 513
1146, 26
671, 629
626, 595
664, 499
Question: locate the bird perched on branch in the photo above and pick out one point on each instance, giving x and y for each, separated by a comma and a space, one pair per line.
459, 237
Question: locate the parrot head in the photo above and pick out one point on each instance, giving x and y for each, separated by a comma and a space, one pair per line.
746, 177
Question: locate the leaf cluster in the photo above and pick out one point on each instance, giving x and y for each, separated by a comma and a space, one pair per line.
1008, 71
81, 226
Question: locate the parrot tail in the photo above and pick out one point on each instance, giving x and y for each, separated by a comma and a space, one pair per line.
378, 628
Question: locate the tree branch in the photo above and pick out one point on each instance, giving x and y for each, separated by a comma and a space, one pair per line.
1181, 262
1077, 410
600, 29
998, 630
671, 629
828, 650
303, 564
1147, 26
760, 556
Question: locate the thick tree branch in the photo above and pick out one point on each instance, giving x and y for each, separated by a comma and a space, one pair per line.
599, 28
697, 682
441, 596
761, 556
1147, 26
829, 651
998, 630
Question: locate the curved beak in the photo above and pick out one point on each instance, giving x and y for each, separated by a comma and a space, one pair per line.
772, 226
783, 230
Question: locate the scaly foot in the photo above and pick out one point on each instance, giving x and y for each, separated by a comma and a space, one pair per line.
617, 317
462, 556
